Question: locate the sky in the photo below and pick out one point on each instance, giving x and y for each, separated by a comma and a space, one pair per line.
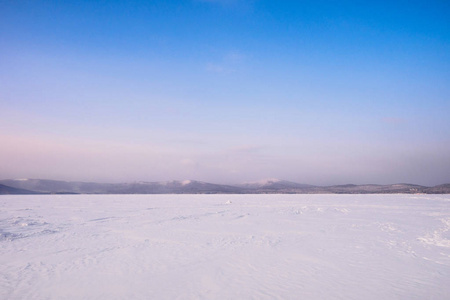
226, 91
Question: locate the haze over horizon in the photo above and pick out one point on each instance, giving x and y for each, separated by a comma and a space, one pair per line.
226, 91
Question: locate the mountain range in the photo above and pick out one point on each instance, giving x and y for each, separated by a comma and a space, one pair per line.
269, 186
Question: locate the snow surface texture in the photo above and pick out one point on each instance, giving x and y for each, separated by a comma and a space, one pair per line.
225, 247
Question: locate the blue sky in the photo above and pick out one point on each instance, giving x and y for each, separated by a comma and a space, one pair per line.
319, 92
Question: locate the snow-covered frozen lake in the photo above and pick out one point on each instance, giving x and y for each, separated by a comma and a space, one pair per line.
225, 247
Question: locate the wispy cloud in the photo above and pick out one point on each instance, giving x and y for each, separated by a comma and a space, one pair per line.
393, 120
237, 6
246, 149
234, 56
229, 63
189, 162
222, 2
216, 68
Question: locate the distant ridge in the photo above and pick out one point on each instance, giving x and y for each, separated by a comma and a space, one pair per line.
439, 189
8, 190
269, 186
275, 184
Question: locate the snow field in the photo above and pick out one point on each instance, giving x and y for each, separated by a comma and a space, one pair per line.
225, 247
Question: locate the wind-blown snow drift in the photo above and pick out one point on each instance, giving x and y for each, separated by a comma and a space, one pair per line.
225, 246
